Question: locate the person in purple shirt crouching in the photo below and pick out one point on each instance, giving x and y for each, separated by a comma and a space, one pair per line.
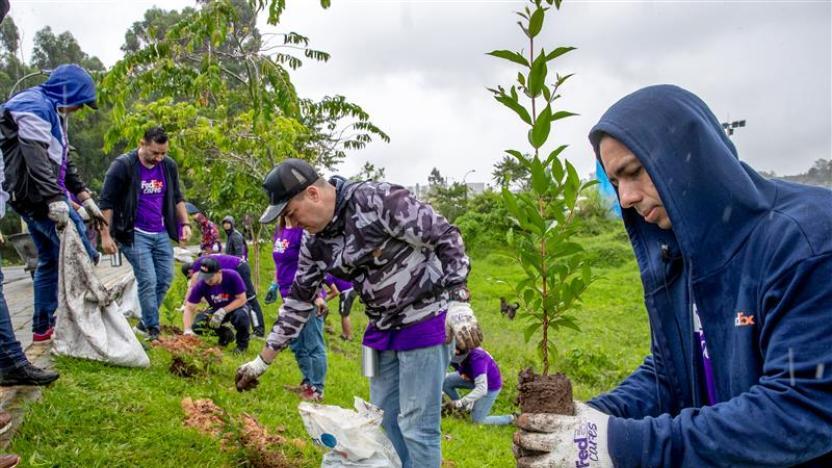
409, 267
231, 262
476, 370
225, 293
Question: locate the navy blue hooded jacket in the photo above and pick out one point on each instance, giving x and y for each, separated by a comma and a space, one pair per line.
740, 244
34, 141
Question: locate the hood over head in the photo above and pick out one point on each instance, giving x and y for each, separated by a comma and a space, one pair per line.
70, 85
712, 198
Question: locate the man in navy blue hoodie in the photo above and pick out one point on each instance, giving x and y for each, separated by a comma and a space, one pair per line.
727, 258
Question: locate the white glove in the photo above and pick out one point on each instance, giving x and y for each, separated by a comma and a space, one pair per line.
189, 332
463, 404
82, 212
461, 325
248, 373
217, 318
59, 213
94, 213
579, 441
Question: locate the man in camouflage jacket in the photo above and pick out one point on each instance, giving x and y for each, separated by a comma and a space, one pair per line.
408, 265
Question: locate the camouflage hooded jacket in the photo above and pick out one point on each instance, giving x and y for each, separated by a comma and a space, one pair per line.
401, 256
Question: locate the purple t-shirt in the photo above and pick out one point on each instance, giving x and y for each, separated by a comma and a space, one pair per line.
227, 262
707, 367
341, 284
149, 216
285, 252
219, 295
479, 362
430, 332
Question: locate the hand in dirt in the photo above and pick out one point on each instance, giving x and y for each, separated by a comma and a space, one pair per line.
248, 373
461, 325
579, 440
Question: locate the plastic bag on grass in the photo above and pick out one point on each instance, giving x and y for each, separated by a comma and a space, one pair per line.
354, 437
128, 300
89, 323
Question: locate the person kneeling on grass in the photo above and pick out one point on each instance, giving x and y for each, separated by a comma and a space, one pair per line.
478, 371
225, 293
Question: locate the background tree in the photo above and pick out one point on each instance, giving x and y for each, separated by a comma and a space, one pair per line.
50, 51
369, 171
509, 172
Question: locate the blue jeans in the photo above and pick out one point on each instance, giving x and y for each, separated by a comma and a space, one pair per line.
11, 355
479, 414
45, 237
151, 256
310, 352
408, 387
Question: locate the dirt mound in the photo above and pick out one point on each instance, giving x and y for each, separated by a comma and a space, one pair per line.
204, 416
263, 450
191, 356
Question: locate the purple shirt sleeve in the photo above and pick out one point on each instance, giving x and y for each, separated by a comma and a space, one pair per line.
197, 292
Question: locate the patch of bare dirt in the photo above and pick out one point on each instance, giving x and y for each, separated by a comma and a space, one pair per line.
544, 393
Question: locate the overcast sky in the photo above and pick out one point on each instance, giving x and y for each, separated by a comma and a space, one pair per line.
419, 68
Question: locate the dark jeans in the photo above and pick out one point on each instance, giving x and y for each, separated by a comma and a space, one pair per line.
256, 312
238, 318
45, 286
11, 354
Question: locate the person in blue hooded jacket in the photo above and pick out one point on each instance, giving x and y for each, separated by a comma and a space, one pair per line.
39, 174
737, 276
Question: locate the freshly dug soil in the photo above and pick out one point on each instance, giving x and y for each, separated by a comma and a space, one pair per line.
170, 330
180, 368
544, 393
261, 447
204, 416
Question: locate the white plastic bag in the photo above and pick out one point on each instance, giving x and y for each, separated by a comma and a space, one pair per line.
183, 255
89, 324
354, 437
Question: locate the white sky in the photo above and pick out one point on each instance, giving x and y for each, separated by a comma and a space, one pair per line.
419, 68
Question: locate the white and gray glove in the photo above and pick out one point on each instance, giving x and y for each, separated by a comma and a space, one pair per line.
94, 213
217, 318
248, 373
59, 213
461, 325
579, 440
82, 212
463, 404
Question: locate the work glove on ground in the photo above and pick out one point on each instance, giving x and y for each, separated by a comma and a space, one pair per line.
95, 214
217, 318
59, 213
248, 373
579, 440
461, 325
271, 294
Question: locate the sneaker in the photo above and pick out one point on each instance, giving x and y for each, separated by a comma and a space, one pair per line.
5, 422
139, 329
238, 350
259, 332
28, 375
9, 460
45, 336
152, 334
310, 393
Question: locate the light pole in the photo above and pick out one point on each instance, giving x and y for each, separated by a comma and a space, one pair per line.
730, 126
466, 184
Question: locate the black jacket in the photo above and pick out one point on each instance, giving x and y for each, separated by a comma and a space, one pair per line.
121, 194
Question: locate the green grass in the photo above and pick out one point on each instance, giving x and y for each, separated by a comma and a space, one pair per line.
98, 415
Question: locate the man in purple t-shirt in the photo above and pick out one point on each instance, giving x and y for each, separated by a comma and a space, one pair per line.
476, 370
409, 266
143, 204
231, 262
225, 293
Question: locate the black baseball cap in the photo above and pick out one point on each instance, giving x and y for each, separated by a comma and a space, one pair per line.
286, 180
207, 268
